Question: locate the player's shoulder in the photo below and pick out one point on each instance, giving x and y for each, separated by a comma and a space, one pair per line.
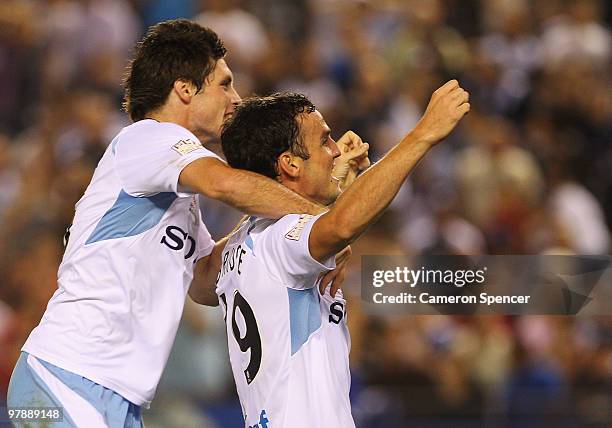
291, 226
149, 131
254, 225
264, 231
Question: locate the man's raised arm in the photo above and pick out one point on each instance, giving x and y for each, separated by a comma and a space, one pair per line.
374, 190
246, 191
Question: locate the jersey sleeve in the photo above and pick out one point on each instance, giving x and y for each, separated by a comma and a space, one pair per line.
205, 242
152, 163
286, 253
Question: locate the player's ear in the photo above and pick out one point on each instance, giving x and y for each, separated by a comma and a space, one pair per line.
289, 165
184, 89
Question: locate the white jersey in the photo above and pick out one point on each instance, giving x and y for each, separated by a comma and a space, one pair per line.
288, 345
128, 264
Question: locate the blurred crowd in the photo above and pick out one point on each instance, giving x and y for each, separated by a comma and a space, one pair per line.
529, 171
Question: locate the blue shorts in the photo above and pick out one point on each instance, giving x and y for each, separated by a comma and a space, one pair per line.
36, 383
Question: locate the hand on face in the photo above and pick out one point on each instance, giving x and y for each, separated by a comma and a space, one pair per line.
353, 158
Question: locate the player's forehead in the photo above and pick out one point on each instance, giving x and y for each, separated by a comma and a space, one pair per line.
313, 124
220, 72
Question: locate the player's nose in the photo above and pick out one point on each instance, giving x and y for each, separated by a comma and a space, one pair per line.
334, 148
235, 98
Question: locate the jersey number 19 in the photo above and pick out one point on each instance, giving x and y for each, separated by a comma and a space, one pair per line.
251, 339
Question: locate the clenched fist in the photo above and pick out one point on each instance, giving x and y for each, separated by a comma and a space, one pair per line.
447, 106
353, 158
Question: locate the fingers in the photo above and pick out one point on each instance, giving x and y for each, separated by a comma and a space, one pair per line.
459, 99
447, 87
364, 163
336, 276
338, 281
453, 90
447, 106
464, 108
359, 151
354, 153
460, 96
327, 278
349, 139
342, 259
344, 255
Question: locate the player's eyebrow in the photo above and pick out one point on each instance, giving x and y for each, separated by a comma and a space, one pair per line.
325, 135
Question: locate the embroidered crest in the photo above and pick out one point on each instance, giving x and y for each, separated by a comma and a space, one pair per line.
186, 146
296, 232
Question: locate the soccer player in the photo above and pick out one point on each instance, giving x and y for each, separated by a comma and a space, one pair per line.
137, 234
288, 345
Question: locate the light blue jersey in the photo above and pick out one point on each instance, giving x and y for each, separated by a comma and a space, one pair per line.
288, 345
128, 264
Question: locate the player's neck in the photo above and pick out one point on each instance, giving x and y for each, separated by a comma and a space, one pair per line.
295, 186
165, 114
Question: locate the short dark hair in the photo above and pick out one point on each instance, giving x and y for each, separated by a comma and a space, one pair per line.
262, 128
171, 50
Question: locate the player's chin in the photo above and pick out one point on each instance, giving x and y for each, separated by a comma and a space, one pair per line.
334, 192
226, 118
335, 184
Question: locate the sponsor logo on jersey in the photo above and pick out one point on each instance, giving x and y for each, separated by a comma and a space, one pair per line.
263, 421
296, 232
176, 239
186, 146
336, 312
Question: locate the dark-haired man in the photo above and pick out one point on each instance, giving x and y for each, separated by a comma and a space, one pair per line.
288, 345
137, 236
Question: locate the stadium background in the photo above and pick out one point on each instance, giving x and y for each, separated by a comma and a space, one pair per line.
527, 172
